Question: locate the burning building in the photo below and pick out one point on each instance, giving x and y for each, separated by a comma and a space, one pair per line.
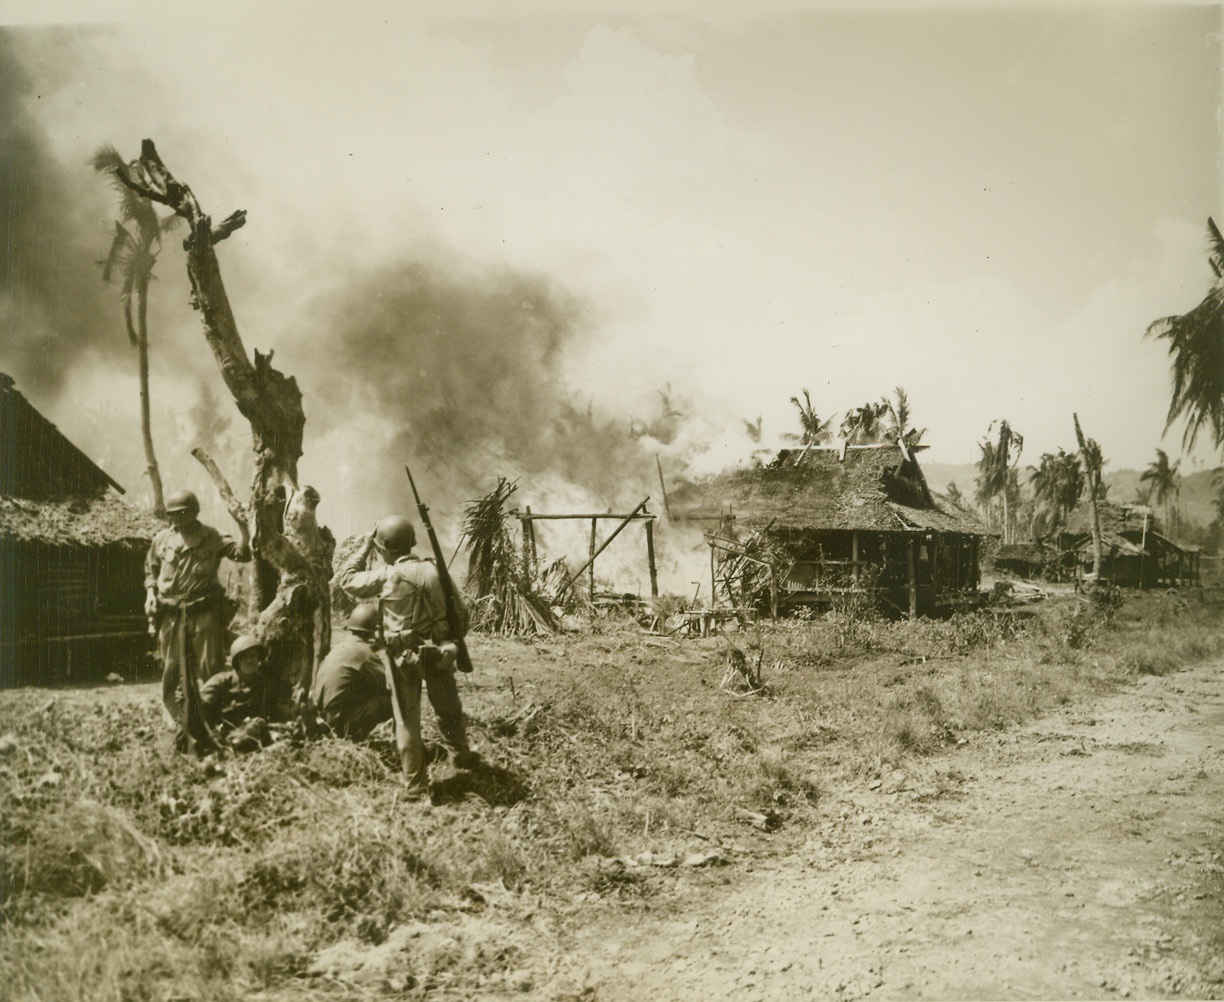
71, 556
820, 522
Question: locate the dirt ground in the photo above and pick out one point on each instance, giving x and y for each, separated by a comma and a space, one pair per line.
1079, 857
1076, 857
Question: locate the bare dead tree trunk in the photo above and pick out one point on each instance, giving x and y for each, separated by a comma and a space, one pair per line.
1093, 475
293, 553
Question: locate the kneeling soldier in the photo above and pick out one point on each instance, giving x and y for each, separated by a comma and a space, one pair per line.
235, 702
350, 688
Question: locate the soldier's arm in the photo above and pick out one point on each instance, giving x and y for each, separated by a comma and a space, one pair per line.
152, 563
152, 569
213, 696
235, 550
354, 579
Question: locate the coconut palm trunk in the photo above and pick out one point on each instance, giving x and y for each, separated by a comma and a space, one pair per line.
146, 420
1092, 474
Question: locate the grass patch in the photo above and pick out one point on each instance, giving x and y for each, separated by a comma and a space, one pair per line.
128, 872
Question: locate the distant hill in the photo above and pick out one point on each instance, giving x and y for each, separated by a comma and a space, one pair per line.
1197, 494
939, 475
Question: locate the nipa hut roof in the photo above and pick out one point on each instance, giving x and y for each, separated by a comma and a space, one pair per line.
877, 488
51, 492
36, 458
1115, 519
84, 520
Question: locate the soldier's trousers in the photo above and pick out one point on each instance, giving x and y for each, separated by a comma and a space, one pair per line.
205, 641
438, 679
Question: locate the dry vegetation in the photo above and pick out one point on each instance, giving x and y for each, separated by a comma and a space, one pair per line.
620, 774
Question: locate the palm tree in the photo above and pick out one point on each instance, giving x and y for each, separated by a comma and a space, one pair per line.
1165, 480
814, 429
954, 495
864, 425
898, 428
133, 254
1196, 346
1090, 456
993, 469
1057, 483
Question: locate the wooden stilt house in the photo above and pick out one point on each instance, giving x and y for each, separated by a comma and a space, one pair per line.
822, 522
71, 557
1135, 552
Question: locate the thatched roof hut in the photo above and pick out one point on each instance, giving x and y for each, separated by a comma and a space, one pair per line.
1134, 553
847, 519
71, 555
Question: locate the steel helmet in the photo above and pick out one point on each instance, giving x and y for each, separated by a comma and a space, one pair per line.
183, 501
243, 644
395, 534
364, 618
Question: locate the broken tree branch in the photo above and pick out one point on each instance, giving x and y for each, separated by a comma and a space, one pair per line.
235, 507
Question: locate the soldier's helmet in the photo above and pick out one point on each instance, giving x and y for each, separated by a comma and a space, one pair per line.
183, 501
243, 644
395, 534
363, 619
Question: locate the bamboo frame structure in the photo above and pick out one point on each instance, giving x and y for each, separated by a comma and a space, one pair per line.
528, 519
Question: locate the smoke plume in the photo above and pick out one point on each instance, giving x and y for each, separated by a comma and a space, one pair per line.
51, 294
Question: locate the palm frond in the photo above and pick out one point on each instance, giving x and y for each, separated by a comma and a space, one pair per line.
1196, 350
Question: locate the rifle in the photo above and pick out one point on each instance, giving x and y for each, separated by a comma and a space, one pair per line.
448, 586
403, 737
194, 734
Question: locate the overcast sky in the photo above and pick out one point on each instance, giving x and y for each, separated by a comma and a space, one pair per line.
985, 205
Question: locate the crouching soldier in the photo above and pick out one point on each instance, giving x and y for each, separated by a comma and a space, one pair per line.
415, 629
350, 688
235, 702
184, 599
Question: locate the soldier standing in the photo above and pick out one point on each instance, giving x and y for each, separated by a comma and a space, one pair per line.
184, 599
417, 635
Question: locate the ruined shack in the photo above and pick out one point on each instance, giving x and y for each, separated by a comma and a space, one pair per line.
820, 522
71, 557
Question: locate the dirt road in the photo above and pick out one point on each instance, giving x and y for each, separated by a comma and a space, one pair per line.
1079, 857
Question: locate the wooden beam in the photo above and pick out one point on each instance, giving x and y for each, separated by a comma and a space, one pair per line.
591, 557
569, 581
635, 516
650, 560
912, 578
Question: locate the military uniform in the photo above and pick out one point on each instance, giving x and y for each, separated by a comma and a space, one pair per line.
228, 702
409, 594
181, 578
350, 689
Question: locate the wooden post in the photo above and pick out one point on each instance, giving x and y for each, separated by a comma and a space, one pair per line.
650, 559
663, 488
591, 557
1142, 549
528, 566
913, 578
712, 581
854, 558
535, 556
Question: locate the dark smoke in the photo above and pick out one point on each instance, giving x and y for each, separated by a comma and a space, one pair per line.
468, 370
54, 309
